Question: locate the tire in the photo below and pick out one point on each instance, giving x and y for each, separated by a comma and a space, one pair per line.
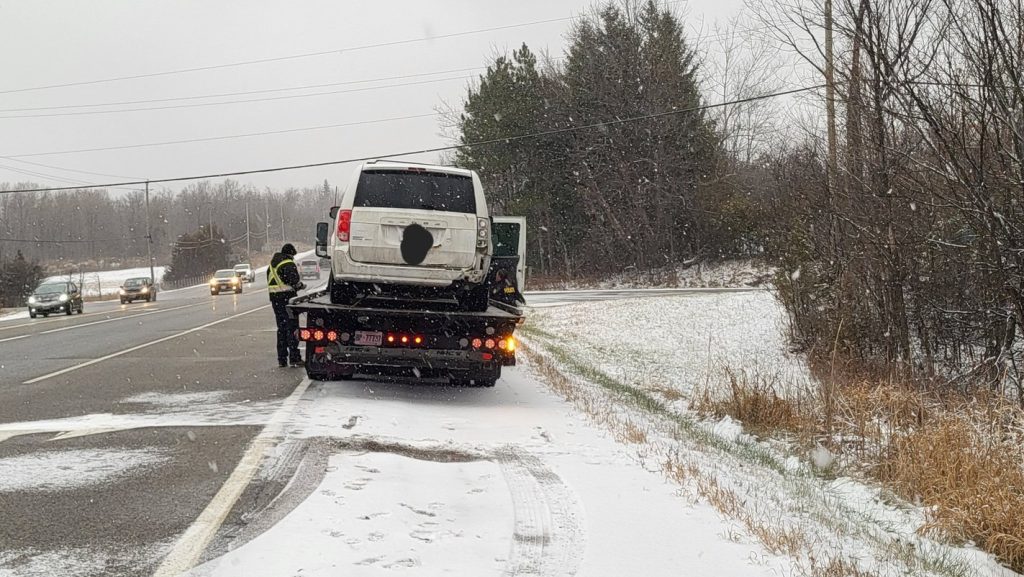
213, 293
31, 314
45, 315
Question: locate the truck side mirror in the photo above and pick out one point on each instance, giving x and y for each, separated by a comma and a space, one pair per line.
322, 230
334, 211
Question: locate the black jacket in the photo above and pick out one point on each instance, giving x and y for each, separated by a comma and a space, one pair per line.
288, 273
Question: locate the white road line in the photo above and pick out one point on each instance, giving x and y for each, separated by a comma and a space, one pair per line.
62, 318
137, 347
14, 338
121, 318
190, 546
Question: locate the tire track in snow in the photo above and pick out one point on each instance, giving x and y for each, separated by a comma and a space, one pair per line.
549, 539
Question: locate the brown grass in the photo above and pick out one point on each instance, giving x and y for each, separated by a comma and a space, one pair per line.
975, 482
962, 456
754, 401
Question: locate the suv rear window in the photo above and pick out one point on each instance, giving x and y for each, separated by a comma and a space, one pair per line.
415, 190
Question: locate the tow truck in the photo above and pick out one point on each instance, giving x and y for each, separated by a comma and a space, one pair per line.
420, 338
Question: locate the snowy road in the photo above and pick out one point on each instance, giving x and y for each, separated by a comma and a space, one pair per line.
157, 438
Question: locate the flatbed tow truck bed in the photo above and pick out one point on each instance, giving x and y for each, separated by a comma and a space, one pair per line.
423, 339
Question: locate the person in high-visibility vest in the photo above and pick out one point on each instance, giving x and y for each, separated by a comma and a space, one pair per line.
283, 283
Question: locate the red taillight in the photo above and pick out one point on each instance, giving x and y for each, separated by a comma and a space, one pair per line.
318, 335
391, 338
332, 336
304, 334
489, 344
344, 225
418, 340
488, 356
477, 343
405, 339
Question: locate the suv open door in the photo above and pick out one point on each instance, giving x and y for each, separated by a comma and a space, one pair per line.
508, 234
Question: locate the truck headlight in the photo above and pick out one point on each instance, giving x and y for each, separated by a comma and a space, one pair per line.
145, 289
32, 300
63, 298
122, 292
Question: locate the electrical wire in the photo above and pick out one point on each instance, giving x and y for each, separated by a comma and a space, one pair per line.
74, 241
226, 102
247, 92
502, 140
288, 57
226, 137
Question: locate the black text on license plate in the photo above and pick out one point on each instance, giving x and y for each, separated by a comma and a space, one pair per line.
369, 339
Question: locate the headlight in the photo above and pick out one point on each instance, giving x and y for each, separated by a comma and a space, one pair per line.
213, 281
122, 292
234, 280
32, 300
145, 289
64, 298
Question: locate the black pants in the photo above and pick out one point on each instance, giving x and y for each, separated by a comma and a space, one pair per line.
287, 340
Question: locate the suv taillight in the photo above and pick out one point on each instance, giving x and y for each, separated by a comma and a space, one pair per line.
344, 225
483, 232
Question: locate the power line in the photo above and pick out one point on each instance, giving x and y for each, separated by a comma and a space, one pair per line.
503, 140
288, 57
226, 137
226, 102
67, 169
73, 241
248, 92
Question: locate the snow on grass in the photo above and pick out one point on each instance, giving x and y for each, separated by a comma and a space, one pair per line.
632, 364
674, 343
73, 468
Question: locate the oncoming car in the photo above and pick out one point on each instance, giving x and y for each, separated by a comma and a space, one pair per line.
137, 289
245, 271
55, 297
225, 280
309, 269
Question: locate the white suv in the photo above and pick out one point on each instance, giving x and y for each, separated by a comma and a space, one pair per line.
411, 230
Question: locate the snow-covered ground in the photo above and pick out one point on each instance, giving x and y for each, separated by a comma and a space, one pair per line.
434, 480
632, 365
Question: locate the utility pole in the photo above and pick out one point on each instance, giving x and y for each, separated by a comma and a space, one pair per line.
149, 237
830, 99
248, 245
266, 219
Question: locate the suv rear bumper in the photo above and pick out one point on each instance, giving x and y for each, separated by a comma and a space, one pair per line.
346, 269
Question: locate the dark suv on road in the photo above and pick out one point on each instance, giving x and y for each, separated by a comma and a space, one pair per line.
141, 288
55, 297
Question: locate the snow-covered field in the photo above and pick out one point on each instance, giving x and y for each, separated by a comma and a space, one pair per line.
102, 283
632, 365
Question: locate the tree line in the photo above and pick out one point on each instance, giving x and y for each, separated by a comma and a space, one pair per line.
63, 230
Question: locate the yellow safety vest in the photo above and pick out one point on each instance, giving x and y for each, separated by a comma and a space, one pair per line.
274, 283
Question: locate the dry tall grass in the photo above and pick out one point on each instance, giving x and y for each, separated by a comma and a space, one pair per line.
960, 456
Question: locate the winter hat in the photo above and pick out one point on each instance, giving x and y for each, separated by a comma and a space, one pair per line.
288, 249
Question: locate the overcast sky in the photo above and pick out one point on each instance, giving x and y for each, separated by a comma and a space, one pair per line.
48, 42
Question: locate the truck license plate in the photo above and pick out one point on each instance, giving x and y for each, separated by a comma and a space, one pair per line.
369, 339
